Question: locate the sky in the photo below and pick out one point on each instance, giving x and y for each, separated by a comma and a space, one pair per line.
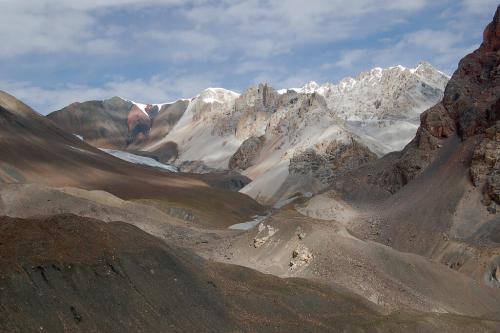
55, 52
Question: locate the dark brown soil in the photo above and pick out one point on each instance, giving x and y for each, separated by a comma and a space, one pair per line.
72, 274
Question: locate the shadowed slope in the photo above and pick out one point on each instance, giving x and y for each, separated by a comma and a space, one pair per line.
74, 274
33, 149
101, 123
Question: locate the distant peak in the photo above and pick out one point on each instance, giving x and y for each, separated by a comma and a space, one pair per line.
311, 84
310, 87
424, 70
220, 95
426, 67
400, 67
224, 91
424, 63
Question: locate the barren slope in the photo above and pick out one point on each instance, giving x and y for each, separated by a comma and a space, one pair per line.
33, 149
74, 274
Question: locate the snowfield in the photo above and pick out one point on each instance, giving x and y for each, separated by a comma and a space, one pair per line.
137, 159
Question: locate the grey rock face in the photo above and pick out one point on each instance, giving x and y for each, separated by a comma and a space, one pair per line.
337, 159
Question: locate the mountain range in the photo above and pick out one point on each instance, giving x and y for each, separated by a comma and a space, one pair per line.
286, 142
366, 206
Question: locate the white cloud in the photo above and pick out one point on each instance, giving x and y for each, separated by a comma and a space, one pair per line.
347, 60
23, 31
49, 26
257, 28
181, 45
443, 48
480, 7
261, 29
247, 67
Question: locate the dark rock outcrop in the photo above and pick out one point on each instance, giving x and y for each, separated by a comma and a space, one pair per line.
223, 179
227, 180
166, 152
246, 153
485, 166
160, 124
334, 162
472, 97
139, 124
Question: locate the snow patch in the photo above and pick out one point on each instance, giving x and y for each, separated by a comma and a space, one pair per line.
142, 106
137, 159
250, 224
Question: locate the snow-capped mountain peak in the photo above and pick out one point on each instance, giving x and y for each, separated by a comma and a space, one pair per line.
424, 71
219, 95
309, 88
144, 107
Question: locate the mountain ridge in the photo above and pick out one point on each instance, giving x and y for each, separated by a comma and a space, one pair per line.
379, 110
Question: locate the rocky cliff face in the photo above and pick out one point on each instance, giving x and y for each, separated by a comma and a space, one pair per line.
470, 109
390, 93
378, 111
479, 113
333, 163
439, 196
247, 153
